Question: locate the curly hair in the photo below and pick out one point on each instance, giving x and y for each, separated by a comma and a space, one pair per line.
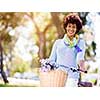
74, 19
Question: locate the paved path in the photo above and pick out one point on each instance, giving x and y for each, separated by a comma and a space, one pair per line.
22, 82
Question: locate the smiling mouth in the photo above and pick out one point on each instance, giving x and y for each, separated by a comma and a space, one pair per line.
71, 32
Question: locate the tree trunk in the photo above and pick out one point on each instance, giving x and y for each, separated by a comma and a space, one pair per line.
42, 45
57, 23
1, 65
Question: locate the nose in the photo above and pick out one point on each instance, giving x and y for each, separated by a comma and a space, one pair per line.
71, 28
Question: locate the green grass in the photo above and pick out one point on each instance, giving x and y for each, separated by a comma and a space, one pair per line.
10, 85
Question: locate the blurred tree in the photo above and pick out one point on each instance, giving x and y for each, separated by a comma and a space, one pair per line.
58, 23
41, 23
7, 22
83, 17
1, 64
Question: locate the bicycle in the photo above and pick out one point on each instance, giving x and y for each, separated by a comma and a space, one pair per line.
49, 67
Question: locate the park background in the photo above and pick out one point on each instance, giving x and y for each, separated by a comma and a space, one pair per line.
49, 6
27, 37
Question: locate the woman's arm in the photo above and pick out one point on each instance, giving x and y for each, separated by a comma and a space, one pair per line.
53, 55
80, 55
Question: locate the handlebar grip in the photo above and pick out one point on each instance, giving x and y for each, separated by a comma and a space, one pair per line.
85, 71
82, 70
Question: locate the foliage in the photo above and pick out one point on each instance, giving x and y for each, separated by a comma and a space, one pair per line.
17, 85
18, 65
83, 17
35, 62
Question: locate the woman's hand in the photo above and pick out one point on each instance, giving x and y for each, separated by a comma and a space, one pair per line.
82, 65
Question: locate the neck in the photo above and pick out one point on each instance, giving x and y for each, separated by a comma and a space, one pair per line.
70, 37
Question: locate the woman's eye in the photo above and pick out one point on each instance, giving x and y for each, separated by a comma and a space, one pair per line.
69, 26
73, 27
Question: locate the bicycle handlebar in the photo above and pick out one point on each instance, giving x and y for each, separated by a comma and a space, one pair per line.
74, 70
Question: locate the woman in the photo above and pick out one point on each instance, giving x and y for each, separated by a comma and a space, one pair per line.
68, 52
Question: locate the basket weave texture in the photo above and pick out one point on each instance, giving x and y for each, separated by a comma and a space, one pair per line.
53, 78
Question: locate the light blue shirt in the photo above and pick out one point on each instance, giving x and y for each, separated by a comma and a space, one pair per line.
64, 55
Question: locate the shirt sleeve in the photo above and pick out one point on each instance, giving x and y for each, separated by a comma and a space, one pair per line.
53, 55
80, 55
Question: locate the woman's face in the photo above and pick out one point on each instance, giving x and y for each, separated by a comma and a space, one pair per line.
71, 29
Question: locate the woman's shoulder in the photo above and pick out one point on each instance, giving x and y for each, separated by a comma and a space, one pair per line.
81, 43
58, 40
81, 40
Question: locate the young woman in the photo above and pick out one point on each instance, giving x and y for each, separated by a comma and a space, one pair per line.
68, 52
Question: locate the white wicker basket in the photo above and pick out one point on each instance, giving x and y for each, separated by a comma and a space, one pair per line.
53, 78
